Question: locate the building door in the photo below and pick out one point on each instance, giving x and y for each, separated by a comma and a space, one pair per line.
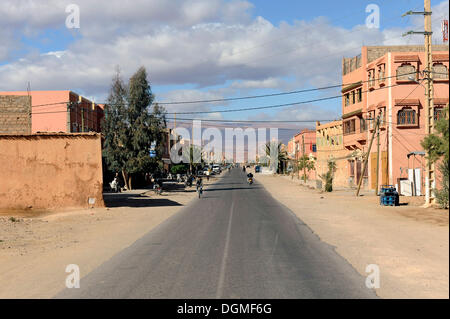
358, 171
373, 170
384, 169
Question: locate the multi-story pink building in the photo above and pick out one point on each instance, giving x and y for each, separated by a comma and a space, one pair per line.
305, 144
62, 111
386, 81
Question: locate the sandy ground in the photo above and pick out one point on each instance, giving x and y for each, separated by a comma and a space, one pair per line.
410, 244
36, 247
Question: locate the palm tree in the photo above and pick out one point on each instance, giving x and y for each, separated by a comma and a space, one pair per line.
281, 155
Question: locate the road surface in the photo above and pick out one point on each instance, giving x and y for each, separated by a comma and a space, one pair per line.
237, 241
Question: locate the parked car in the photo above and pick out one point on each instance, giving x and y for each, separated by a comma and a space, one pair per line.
216, 169
257, 169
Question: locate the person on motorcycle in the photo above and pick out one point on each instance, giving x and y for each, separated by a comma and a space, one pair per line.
199, 182
199, 185
250, 178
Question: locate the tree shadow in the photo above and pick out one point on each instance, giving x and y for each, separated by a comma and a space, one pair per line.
135, 200
230, 188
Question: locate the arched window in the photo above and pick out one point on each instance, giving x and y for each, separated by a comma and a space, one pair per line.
406, 116
440, 71
405, 71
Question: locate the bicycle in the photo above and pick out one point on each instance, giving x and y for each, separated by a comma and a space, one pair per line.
199, 191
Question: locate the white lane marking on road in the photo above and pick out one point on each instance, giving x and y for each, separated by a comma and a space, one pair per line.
225, 257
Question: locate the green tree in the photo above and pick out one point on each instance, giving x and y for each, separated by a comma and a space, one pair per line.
328, 177
195, 154
437, 147
281, 155
115, 129
305, 164
146, 128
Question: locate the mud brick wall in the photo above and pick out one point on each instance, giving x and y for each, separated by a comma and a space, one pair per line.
45, 171
15, 114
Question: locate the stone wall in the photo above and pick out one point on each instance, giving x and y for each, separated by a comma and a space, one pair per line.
374, 52
15, 114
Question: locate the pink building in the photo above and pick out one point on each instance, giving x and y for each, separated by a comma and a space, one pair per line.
384, 80
62, 111
305, 144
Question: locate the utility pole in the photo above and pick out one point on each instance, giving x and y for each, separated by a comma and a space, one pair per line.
80, 103
378, 155
69, 123
304, 164
429, 92
367, 157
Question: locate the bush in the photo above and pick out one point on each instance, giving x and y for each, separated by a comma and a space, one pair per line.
442, 194
328, 177
178, 169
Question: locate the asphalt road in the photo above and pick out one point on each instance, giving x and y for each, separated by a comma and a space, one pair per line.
237, 241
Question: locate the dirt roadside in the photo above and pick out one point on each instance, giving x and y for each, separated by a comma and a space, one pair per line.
35, 248
409, 244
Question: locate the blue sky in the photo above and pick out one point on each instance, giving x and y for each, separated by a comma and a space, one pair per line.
200, 49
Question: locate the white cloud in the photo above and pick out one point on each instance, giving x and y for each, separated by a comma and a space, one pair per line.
198, 42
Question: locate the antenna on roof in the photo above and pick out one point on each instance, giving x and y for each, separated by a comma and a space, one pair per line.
28, 88
445, 31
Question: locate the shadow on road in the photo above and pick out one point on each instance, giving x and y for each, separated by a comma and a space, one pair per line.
231, 188
135, 200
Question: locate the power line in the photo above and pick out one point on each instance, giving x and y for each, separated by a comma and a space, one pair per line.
272, 94
276, 105
249, 121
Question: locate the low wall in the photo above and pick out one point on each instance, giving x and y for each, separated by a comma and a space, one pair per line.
45, 171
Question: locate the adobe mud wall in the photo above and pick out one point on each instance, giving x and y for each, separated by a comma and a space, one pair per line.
45, 171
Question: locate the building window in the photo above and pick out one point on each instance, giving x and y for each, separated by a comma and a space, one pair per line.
349, 127
353, 97
359, 94
381, 69
371, 120
351, 166
405, 71
438, 112
347, 99
362, 125
440, 72
406, 117
314, 148
371, 78
382, 113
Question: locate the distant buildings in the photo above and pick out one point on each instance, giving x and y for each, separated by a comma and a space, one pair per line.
51, 111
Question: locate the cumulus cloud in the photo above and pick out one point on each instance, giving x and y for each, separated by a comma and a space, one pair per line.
203, 43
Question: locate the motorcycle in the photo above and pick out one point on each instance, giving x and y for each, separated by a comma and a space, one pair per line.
157, 187
199, 191
250, 180
188, 182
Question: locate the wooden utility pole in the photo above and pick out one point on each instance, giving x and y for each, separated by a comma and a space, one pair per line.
304, 164
367, 157
429, 92
378, 155
429, 124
